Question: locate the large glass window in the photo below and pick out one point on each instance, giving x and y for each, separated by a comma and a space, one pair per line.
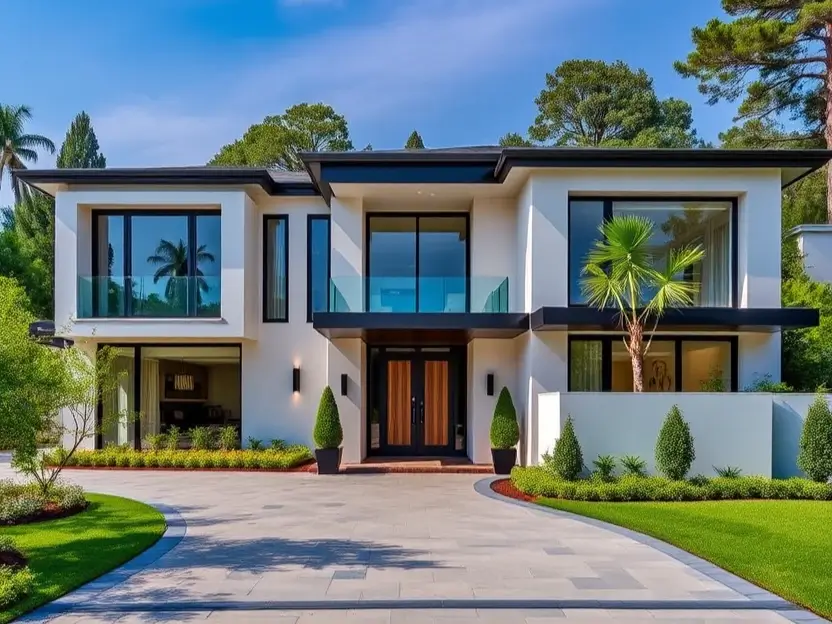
417, 263
676, 224
118, 403
671, 365
276, 288
155, 264
317, 286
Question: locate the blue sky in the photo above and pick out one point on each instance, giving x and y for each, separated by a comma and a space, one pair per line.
168, 82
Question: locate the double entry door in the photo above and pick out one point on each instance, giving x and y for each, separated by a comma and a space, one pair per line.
420, 403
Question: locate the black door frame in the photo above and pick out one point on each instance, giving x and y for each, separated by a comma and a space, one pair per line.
457, 408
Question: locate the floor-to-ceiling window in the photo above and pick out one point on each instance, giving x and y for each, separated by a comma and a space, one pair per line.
152, 263
417, 263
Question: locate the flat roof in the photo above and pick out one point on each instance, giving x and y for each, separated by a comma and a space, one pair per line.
457, 165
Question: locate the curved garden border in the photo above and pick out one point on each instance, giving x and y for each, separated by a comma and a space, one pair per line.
175, 531
749, 590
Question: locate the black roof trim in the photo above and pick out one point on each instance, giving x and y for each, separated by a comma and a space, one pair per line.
473, 325
196, 176
579, 317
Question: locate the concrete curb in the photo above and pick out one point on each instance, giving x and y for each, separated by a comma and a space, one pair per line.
175, 531
741, 586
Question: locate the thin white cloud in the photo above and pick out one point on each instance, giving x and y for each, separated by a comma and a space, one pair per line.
420, 53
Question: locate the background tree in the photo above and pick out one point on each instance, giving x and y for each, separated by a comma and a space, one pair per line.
80, 148
18, 147
414, 141
512, 139
621, 273
777, 56
277, 140
592, 103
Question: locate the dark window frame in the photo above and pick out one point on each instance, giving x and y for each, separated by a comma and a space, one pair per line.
417, 215
127, 260
137, 382
606, 356
309, 220
266, 219
609, 200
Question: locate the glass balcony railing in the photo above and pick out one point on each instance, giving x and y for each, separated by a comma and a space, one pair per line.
144, 296
419, 294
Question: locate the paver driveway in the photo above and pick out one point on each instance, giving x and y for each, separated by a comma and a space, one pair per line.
257, 541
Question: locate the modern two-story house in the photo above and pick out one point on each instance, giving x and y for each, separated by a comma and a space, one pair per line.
415, 283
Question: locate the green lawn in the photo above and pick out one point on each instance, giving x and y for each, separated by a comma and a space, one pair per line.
67, 553
784, 546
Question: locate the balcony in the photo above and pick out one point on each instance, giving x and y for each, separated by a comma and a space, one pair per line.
410, 295
147, 297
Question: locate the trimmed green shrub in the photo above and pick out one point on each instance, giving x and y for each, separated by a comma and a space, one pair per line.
201, 438
255, 444
634, 466
567, 460
604, 467
228, 438
173, 437
815, 455
328, 433
14, 585
156, 441
674, 447
505, 432
538, 481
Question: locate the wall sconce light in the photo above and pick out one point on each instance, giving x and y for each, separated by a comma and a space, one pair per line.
296, 379
344, 382
489, 384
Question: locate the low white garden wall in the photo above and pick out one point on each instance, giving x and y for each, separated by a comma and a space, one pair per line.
729, 429
789, 414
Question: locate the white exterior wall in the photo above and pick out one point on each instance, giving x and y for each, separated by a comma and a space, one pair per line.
492, 250
815, 244
347, 260
728, 429
790, 411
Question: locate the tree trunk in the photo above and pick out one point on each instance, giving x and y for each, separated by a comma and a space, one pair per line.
636, 349
827, 129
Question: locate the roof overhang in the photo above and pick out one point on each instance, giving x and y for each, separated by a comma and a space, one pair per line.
719, 319
434, 328
50, 180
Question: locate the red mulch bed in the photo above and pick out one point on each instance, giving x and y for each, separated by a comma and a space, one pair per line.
50, 512
310, 466
506, 488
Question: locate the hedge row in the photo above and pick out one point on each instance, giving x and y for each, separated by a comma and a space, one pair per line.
262, 460
14, 585
538, 481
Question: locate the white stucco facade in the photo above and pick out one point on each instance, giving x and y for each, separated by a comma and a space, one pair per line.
518, 233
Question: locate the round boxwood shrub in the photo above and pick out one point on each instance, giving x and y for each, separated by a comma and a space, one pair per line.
674, 448
567, 460
505, 432
328, 433
815, 455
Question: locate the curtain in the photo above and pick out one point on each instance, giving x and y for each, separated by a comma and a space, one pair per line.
716, 270
585, 366
150, 397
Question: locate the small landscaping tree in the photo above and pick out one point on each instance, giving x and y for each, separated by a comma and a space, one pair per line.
567, 460
815, 455
674, 447
505, 432
328, 433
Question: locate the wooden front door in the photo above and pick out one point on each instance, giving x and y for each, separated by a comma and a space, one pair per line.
418, 404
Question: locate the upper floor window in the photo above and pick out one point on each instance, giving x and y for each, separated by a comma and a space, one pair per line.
317, 270
276, 273
155, 264
676, 223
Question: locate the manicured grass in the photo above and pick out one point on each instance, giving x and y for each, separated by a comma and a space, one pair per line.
784, 546
66, 553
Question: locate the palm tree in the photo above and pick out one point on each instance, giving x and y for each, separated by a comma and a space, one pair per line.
172, 259
17, 147
621, 272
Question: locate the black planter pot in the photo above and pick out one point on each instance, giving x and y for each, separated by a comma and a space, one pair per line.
504, 460
329, 460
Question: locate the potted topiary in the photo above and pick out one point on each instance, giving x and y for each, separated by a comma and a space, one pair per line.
505, 434
328, 434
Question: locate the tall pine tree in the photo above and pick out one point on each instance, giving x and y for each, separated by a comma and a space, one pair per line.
80, 149
414, 141
777, 56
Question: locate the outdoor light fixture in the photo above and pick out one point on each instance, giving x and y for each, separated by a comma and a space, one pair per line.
489, 384
296, 379
344, 382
